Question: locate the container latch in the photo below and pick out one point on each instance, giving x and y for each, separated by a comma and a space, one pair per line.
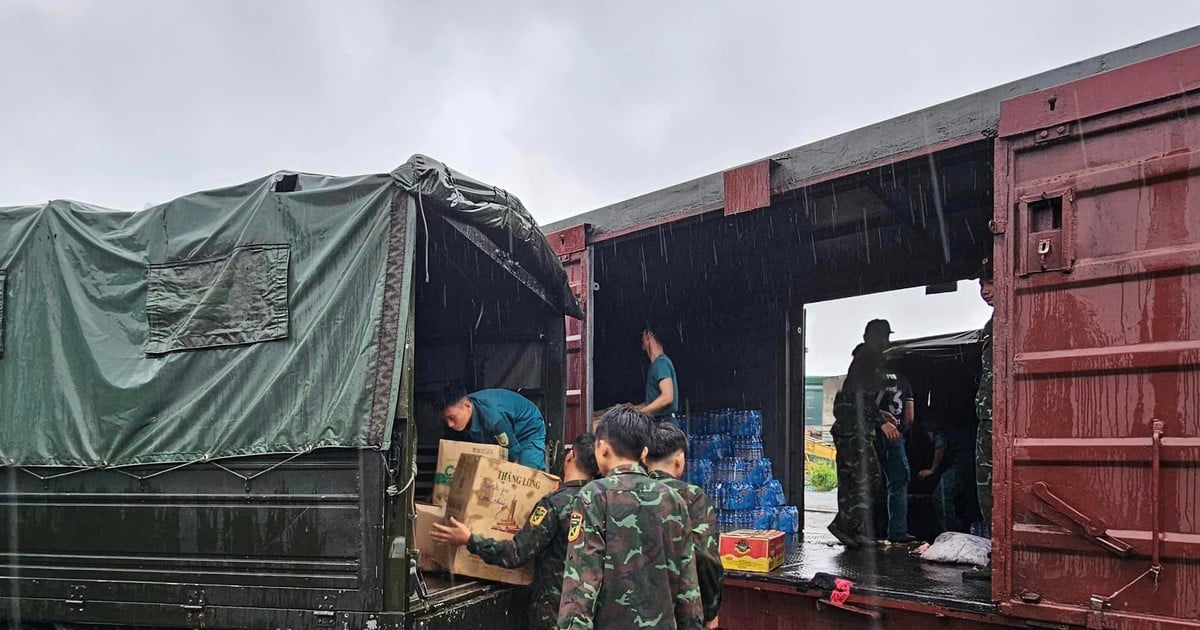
1064, 515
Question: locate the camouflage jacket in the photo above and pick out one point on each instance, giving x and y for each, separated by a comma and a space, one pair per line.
544, 540
629, 557
705, 541
983, 397
856, 408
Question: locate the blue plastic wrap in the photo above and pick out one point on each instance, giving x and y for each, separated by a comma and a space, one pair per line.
746, 423
739, 496
787, 519
764, 518
759, 472
701, 472
771, 495
705, 447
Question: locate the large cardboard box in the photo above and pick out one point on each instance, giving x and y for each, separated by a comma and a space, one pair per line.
433, 556
448, 453
494, 498
757, 550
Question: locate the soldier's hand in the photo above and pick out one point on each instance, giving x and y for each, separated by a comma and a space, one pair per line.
891, 431
714, 624
925, 474
453, 534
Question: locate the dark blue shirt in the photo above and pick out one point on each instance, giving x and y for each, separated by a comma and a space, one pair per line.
510, 420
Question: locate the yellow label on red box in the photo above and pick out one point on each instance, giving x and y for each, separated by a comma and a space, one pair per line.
754, 550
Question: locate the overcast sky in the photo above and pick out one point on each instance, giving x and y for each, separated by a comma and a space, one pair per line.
569, 105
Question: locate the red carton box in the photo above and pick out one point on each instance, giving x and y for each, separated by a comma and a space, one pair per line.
756, 550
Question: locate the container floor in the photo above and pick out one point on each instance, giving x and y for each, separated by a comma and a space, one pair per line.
888, 572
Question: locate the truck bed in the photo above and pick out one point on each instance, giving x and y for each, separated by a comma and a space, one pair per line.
886, 573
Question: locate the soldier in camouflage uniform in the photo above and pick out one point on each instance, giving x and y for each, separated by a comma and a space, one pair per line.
857, 416
666, 460
543, 539
629, 549
983, 410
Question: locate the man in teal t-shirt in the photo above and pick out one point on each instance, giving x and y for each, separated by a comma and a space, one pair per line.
496, 416
662, 386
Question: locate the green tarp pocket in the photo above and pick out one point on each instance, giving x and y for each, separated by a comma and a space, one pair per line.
240, 298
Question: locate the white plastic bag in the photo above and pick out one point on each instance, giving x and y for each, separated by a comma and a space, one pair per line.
957, 548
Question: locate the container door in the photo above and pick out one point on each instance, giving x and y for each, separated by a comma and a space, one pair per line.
1097, 350
571, 246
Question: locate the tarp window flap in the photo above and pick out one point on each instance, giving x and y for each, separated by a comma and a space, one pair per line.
236, 299
3, 289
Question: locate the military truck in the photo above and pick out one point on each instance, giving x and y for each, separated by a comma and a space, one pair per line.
216, 412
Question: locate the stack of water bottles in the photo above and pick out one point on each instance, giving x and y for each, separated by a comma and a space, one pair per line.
725, 457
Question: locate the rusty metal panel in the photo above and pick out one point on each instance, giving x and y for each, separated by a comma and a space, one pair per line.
1045, 111
1097, 407
571, 246
568, 241
748, 187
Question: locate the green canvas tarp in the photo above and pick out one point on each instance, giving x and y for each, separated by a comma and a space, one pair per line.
265, 318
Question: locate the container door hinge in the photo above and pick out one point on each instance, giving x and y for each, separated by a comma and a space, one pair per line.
75, 597
196, 602
325, 612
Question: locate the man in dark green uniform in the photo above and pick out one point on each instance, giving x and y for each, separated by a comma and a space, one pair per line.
662, 384
857, 416
983, 410
630, 562
496, 416
666, 461
543, 538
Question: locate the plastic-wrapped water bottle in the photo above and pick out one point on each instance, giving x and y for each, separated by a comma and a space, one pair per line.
725, 420
748, 448
764, 518
787, 519
716, 494
771, 494
707, 447
732, 469
701, 472
747, 424
726, 521
724, 446
740, 496
759, 472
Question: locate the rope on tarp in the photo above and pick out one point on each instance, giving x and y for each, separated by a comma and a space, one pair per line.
263, 471
30, 470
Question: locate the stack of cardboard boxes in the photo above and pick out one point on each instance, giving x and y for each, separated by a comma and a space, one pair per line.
477, 485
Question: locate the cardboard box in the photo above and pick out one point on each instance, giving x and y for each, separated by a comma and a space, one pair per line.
433, 555
755, 550
494, 498
448, 453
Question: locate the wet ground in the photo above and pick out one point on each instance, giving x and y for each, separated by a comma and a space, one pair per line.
889, 571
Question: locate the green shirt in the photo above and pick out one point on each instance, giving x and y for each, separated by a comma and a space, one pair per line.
662, 368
